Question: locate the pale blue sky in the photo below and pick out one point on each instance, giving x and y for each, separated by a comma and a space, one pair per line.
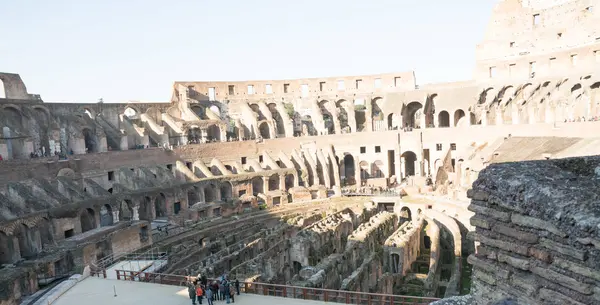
81, 50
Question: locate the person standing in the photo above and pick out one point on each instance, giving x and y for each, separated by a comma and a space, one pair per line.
199, 293
227, 291
237, 286
209, 296
232, 295
192, 293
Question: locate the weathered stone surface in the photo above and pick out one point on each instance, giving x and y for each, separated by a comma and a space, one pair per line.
590, 241
563, 249
527, 283
563, 280
481, 210
488, 266
515, 233
576, 268
508, 246
536, 223
480, 222
477, 195
554, 298
484, 276
541, 255
519, 263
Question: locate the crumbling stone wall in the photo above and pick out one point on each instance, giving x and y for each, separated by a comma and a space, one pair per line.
538, 228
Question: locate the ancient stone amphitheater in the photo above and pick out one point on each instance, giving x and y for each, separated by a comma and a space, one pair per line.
366, 184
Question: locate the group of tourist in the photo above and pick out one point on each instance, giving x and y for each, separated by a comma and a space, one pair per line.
217, 290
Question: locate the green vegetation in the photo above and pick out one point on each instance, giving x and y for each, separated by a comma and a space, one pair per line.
289, 108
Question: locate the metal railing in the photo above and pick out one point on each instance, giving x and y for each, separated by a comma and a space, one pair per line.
295, 292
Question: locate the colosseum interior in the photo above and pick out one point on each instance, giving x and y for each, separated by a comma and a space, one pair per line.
368, 183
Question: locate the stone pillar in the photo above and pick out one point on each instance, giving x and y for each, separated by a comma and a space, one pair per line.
351, 118
398, 165
368, 114
265, 184
336, 122
357, 171
223, 130
499, 117
203, 135
484, 118
514, 114
136, 213
115, 215
282, 182
402, 167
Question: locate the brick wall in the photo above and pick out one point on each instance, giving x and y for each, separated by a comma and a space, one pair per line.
538, 228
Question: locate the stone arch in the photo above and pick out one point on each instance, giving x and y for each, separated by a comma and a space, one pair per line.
106, 216
215, 109
289, 181
376, 112
444, 119
328, 118
377, 169
160, 206
405, 215
274, 182
364, 170
87, 219
308, 127
410, 163
126, 210
263, 129
473, 119
360, 114
13, 132
459, 114
130, 112
27, 241
213, 133
256, 109
145, 209
194, 135
210, 193
349, 169
66, 172
279, 124
412, 115
226, 191
343, 107
390, 122
193, 196
91, 140
199, 111
257, 185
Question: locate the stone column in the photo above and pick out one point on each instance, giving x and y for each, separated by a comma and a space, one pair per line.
282, 182
398, 165
368, 114
357, 171
223, 133
115, 216
136, 213
203, 135
499, 117
265, 184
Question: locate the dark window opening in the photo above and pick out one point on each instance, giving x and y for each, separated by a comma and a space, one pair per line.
260, 158
438, 147
363, 149
286, 88
69, 233
189, 165
176, 208
452, 146
231, 89
170, 167
377, 149
111, 176
241, 193
243, 160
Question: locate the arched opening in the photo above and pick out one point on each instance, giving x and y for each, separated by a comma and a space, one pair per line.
2, 90
297, 267
289, 181
458, 115
126, 210
274, 182
308, 127
410, 160
13, 128
444, 119
263, 129
473, 119
360, 114
391, 125
106, 216
210, 194
226, 191
145, 209
130, 112
376, 112
214, 109
256, 109
199, 111
328, 123
412, 115
213, 133
27, 241
88, 220
405, 215
91, 140
193, 197
160, 206
364, 170
41, 124
376, 169
257, 185
194, 135
342, 109
279, 126
349, 170
395, 263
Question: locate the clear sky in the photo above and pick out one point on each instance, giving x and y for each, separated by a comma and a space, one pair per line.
82, 50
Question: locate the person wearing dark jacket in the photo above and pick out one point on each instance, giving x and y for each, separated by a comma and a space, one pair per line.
237, 286
209, 296
192, 292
